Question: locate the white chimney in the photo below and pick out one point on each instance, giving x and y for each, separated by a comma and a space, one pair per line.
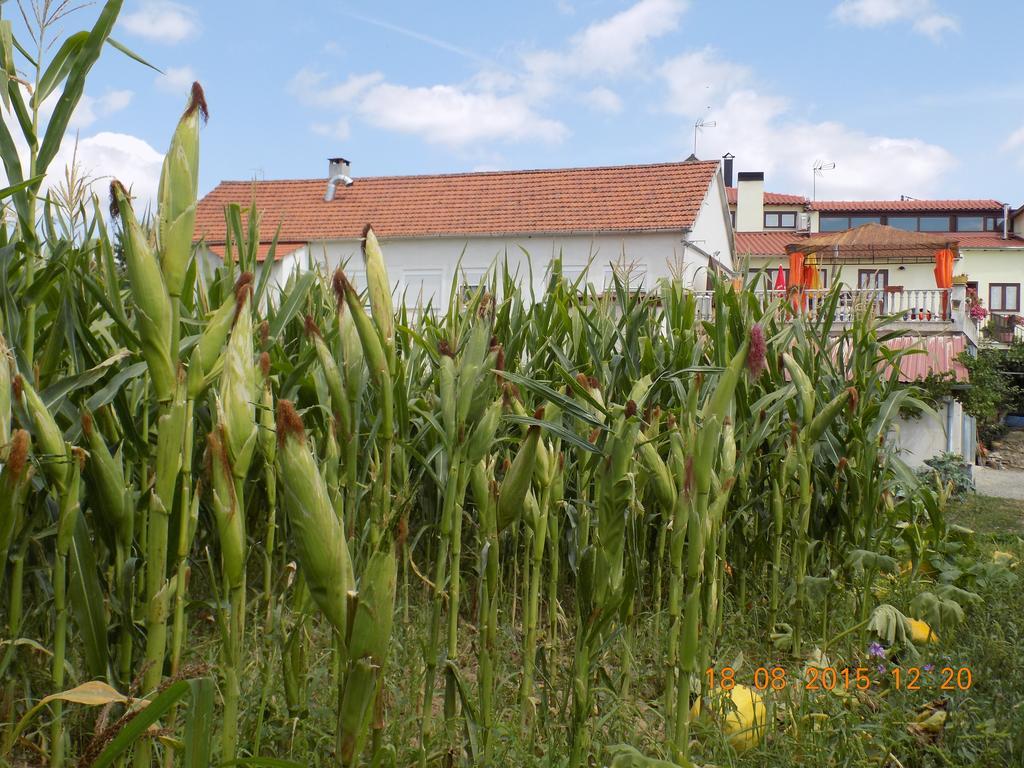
750, 201
338, 170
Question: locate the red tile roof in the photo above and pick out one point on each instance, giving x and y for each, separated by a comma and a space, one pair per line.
938, 206
263, 250
939, 356
658, 197
765, 243
988, 240
770, 198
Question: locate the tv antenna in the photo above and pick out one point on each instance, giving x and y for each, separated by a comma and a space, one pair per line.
699, 126
819, 169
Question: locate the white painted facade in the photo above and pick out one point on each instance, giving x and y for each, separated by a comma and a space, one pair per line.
423, 269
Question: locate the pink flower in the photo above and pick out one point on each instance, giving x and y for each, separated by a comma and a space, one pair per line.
757, 353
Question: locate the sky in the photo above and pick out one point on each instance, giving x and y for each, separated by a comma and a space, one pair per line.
916, 97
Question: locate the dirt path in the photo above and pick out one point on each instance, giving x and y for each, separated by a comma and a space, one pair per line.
1002, 483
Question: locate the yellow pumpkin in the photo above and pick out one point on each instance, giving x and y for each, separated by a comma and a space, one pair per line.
920, 632
744, 722
1004, 558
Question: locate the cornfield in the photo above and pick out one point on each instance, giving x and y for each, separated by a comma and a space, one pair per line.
243, 522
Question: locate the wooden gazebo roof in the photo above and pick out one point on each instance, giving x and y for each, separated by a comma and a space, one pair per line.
875, 243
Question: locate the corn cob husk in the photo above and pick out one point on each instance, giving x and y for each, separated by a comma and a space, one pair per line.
319, 537
332, 376
803, 386
176, 195
379, 288
5, 396
481, 439
517, 480
48, 437
15, 477
369, 338
226, 512
827, 415
266, 440
218, 326
153, 316
238, 391
105, 478
352, 362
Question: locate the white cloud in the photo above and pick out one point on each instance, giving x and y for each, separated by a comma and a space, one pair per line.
765, 133
109, 155
696, 80
1015, 141
90, 109
498, 103
603, 99
609, 47
176, 80
311, 88
339, 130
456, 116
921, 14
162, 21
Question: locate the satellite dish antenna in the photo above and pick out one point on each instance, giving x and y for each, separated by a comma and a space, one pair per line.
819, 168
698, 126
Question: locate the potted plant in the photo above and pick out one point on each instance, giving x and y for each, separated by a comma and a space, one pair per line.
959, 279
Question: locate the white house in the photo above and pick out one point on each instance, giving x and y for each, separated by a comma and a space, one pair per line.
647, 221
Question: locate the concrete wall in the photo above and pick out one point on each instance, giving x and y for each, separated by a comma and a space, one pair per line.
921, 438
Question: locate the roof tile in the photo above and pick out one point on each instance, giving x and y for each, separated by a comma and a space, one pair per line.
937, 206
664, 196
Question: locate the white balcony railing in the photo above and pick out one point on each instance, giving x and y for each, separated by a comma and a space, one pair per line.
925, 305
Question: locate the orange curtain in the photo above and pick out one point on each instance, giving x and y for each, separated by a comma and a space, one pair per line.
944, 276
796, 277
812, 280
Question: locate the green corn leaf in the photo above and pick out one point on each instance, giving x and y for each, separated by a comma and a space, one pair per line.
87, 606
138, 725
131, 54
75, 85
59, 67
198, 734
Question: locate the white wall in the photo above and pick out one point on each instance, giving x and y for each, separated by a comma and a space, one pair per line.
921, 438
426, 266
712, 230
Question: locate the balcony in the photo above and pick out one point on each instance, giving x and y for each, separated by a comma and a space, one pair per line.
918, 311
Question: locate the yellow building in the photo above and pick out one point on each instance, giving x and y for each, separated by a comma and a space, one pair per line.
989, 235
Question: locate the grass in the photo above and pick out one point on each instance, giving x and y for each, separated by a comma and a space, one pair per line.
990, 516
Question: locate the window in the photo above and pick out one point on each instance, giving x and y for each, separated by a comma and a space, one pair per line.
856, 221
993, 223
908, 223
833, 223
872, 278
779, 220
934, 223
970, 223
471, 280
423, 288
1004, 297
